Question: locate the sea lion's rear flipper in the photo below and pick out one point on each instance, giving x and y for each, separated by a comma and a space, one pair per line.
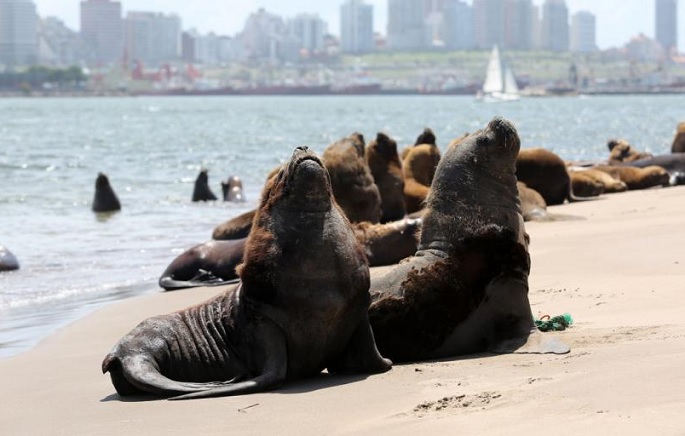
535, 343
360, 354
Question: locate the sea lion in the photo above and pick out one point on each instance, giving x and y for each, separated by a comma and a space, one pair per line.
609, 183
105, 199
466, 288
353, 186
418, 168
386, 168
301, 306
678, 145
533, 206
673, 163
201, 191
637, 178
8, 262
584, 185
232, 189
212, 263
545, 172
237, 227
387, 244
621, 151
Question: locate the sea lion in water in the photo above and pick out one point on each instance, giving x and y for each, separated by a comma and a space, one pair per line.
105, 199
466, 288
301, 306
232, 189
201, 191
210, 264
386, 168
8, 262
353, 185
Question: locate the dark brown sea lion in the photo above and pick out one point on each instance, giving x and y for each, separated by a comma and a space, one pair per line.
678, 145
237, 227
621, 151
387, 244
386, 168
201, 191
637, 178
105, 199
533, 206
353, 186
545, 172
8, 262
466, 288
210, 264
302, 305
232, 189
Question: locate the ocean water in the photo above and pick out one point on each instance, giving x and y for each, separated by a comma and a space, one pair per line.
152, 148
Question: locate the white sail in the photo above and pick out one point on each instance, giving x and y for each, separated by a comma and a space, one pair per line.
500, 84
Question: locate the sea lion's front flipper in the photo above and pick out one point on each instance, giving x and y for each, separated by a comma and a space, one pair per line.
361, 354
536, 343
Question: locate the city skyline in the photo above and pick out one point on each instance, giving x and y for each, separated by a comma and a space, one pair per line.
617, 20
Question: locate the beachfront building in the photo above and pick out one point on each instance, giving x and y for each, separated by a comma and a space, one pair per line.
667, 24
152, 38
407, 30
583, 32
555, 27
102, 30
309, 31
356, 27
18, 33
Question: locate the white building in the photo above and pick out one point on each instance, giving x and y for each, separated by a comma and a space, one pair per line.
666, 24
555, 26
583, 32
407, 27
18, 33
152, 38
309, 30
356, 27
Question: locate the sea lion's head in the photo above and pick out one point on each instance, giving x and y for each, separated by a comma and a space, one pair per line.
101, 181
385, 146
426, 137
302, 185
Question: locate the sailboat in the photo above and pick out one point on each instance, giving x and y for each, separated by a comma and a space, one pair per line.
500, 84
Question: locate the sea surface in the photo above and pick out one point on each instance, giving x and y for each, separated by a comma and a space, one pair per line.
152, 148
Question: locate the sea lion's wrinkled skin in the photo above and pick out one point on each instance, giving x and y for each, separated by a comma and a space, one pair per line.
8, 262
212, 263
201, 191
105, 199
466, 288
302, 305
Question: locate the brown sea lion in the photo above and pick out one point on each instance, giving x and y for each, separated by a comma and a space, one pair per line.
353, 186
545, 172
584, 185
386, 168
237, 227
212, 263
621, 151
301, 306
637, 178
609, 183
105, 199
387, 244
466, 288
418, 168
674, 163
8, 262
533, 206
201, 191
678, 145
232, 189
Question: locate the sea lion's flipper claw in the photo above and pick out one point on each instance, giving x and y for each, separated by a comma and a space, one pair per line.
361, 354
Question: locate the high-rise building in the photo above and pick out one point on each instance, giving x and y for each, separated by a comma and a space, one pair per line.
152, 38
583, 32
309, 29
59, 45
102, 30
261, 36
488, 23
356, 27
457, 25
18, 32
536, 28
407, 25
667, 24
555, 27
518, 26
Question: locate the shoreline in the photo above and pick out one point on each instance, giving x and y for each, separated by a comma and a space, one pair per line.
617, 267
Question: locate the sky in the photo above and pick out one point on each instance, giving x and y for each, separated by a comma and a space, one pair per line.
617, 20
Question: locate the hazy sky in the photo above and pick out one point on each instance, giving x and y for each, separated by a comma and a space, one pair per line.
617, 20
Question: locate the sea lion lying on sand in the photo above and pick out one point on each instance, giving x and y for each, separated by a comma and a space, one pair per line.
466, 288
301, 306
621, 151
635, 177
545, 172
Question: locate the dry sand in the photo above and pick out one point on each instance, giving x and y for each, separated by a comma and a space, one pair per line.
618, 269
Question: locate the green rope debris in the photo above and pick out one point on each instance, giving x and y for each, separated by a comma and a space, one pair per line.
556, 323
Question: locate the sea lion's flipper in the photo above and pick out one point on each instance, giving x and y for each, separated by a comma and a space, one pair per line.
206, 279
535, 343
360, 354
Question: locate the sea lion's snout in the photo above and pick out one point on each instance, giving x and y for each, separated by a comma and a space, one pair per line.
505, 133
